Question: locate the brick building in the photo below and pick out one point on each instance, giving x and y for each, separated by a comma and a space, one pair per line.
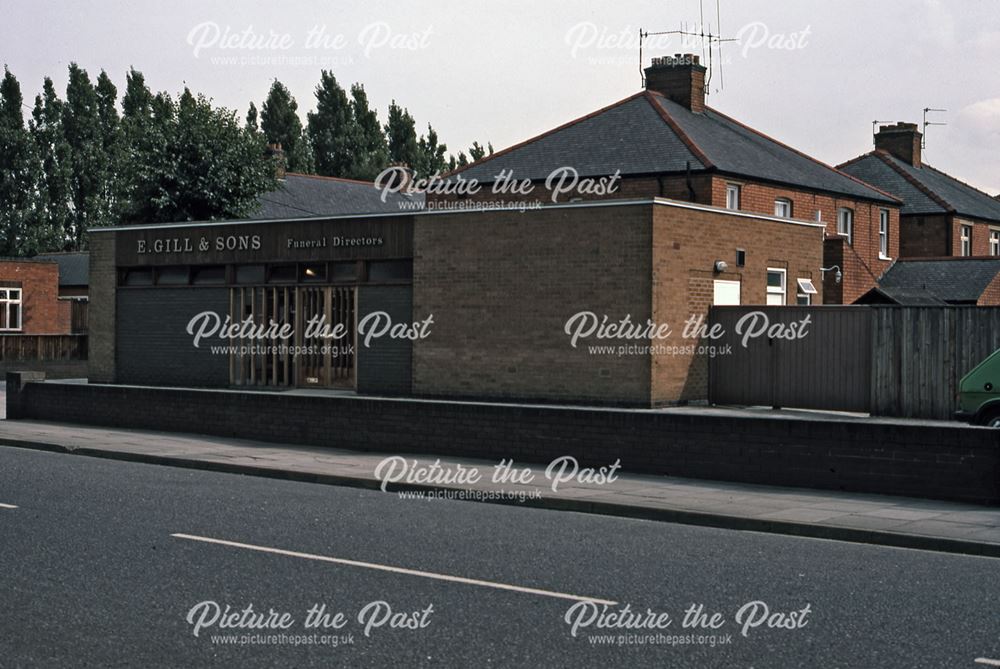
941, 216
501, 288
29, 298
664, 141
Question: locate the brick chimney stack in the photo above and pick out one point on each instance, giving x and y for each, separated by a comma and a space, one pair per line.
681, 78
277, 154
901, 140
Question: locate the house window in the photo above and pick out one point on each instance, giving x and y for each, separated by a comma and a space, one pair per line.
883, 233
783, 207
10, 309
845, 223
732, 196
966, 237
806, 290
775, 286
819, 216
995, 242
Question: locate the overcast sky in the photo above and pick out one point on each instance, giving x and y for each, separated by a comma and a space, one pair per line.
811, 73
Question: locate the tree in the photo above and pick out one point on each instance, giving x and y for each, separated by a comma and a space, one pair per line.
88, 162
107, 113
370, 153
477, 152
196, 163
280, 123
252, 124
430, 155
401, 135
54, 209
331, 130
19, 175
138, 99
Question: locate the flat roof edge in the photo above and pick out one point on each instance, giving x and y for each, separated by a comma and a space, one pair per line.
585, 204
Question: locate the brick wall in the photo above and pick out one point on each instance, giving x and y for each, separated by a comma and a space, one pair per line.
948, 462
101, 316
759, 198
925, 236
501, 287
686, 244
980, 237
675, 187
42, 312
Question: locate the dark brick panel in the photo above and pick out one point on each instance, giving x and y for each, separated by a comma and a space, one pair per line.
153, 344
385, 367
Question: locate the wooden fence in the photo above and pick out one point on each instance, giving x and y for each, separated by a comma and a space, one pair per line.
41, 348
883, 360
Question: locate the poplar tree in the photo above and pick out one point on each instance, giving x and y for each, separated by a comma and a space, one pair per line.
280, 123
368, 146
53, 154
18, 174
331, 130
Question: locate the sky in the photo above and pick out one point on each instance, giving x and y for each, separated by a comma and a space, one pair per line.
813, 74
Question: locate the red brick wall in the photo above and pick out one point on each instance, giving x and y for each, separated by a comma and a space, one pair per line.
980, 237
43, 313
759, 198
925, 236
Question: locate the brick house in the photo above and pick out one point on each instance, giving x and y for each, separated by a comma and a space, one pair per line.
941, 216
664, 141
29, 298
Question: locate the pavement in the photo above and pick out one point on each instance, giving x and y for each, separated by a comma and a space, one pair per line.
866, 518
110, 563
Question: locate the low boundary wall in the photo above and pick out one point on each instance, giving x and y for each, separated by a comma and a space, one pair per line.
953, 462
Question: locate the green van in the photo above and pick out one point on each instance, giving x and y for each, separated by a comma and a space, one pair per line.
979, 393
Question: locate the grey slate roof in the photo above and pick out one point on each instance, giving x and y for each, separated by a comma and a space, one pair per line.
947, 280
648, 133
913, 185
303, 195
74, 268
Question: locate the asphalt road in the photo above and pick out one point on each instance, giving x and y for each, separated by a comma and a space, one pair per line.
92, 575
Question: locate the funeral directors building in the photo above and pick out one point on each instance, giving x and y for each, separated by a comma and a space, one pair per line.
485, 304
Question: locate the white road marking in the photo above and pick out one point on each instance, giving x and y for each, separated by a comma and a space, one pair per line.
397, 570
7, 506
988, 661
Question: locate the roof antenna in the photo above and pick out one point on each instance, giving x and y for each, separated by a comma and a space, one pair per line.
923, 140
874, 125
708, 39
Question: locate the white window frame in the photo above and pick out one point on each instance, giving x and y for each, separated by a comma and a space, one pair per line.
7, 300
734, 193
805, 291
965, 239
994, 242
845, 223
775, 291
883, 234
783, 203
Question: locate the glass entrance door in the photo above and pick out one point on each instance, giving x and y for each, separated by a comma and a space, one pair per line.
319, 354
